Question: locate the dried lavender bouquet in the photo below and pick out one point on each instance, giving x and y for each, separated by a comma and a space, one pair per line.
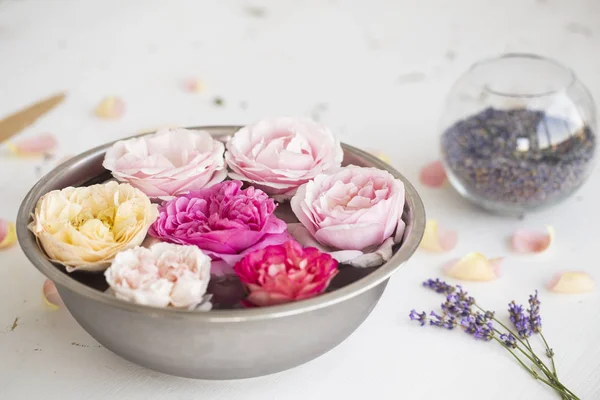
461, 310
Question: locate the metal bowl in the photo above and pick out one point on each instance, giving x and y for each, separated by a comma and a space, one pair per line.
221, 344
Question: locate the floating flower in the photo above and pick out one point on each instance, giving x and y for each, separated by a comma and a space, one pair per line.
168, 163
83, 228
193, 85
110, 108
51, 296
284, 273
160, 276
437, 239
8, 234
474, 267
354, 214
531, 241
224, 221
433, 174
571, 283
278, 155
33, 146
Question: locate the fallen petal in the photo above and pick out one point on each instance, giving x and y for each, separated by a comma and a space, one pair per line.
437, 239
474, 267
433, 174
531, 241
8, 234
110, 108
571, 283
33, 146
51, 296
193, 85
379, 154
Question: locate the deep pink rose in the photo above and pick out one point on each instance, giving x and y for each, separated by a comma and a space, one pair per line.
224, 221
278, 155
286, 272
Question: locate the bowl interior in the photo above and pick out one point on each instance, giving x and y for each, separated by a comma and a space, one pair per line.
86, 169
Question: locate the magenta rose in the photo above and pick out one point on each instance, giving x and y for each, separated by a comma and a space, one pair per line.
284, 273
224, 221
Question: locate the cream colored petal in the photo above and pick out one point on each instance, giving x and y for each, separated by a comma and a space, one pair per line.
437, 239
571, 283
50, 295
110, 108
474, 267
8, 234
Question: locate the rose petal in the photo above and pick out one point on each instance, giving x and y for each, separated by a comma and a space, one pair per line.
51, 296
8, 234
437, 239
530, 241
571, 283
433, 174
474, 267
379, 154
34, 146
110, 108
193, 85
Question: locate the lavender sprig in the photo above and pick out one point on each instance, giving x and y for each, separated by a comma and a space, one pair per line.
458, 311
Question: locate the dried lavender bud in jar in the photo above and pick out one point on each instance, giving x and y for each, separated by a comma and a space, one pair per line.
519, 158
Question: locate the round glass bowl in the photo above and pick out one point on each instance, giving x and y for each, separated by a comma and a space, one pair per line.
518, 133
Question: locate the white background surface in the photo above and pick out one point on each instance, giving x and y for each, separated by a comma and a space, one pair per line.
382, 68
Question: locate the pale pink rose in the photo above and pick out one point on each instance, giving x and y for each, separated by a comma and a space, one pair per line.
353, 213
168, 163
163, 275
278, 155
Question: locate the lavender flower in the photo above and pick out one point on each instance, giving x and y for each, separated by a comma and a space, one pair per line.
458, 309
477, 326
443, 321
519, 320
415, 316
464, 297
439, 286
535, 321
509, 340
455, 307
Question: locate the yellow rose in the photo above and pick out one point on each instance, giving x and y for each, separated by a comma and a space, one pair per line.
84, 228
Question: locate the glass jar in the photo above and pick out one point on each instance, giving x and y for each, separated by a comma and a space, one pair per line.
518, 133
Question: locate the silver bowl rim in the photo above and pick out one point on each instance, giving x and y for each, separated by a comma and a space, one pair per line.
37, 257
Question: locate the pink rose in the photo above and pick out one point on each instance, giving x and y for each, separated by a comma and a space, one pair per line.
163, 275
353, 213
278, 155
224, 221
169, 163
286, 272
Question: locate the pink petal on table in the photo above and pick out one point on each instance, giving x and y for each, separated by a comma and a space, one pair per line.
33, 146
571, 283
433, 174
110, 108
531, 241
437, 239
193, 85
51, 296
474, 267
8, 234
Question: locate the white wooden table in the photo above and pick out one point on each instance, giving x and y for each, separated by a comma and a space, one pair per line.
376, 71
